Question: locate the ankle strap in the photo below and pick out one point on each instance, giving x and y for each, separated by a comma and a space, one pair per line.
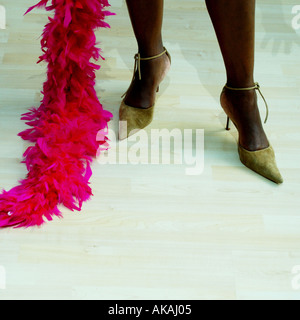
138, 59
255, 87
137, 64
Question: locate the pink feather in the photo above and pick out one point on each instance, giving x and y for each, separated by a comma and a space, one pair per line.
64, 128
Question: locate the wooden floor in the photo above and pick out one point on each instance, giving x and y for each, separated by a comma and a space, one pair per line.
151, 231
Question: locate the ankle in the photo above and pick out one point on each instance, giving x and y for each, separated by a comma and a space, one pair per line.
246, 99
236, 82
150, 51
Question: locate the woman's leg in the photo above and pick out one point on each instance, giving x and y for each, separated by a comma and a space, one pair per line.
147, 18
234, 23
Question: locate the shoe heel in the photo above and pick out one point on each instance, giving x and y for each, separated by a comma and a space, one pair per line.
228, 124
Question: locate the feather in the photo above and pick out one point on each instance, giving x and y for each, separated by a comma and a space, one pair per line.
42, 3
64, 129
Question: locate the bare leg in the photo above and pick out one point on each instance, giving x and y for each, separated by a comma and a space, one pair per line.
147, 18
234, 23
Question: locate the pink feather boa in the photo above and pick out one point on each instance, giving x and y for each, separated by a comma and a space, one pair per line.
65, 126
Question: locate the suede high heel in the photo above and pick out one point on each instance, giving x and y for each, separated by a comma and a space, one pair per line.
262, 161
133, 119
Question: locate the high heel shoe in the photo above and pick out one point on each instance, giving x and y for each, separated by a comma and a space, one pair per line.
260, 161
133, 119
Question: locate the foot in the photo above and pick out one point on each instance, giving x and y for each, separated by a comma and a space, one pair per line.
242, 109
141, 93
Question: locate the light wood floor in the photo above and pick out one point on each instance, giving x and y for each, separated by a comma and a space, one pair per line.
153, 232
